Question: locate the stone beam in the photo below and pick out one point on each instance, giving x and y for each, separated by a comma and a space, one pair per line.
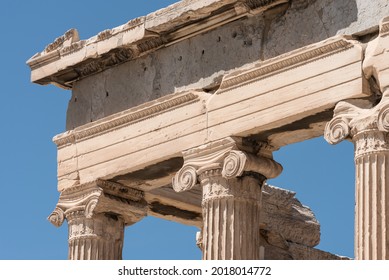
291, 94
69, 59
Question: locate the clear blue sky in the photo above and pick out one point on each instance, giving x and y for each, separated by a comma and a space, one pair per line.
322, 175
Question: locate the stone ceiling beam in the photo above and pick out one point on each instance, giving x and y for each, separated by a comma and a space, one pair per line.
272, 95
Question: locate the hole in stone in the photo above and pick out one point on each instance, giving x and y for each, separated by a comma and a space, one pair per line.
145, 69
234, 34
248, 42
180, 58
106, 94
75, 99
219, 39
203, 51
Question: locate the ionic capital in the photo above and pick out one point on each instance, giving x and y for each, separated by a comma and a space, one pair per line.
351, 118
229, 158
361, 116
237, 162
99, 197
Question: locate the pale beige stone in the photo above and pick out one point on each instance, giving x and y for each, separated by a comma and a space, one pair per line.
231, 216
192, 119
97, 238
283, 214
366, 125
231, 173
97, 214
224, 84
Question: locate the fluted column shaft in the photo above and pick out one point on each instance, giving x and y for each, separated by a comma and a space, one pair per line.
97, 238
368, 128
366, 124
372, 195
231, 172
231, 210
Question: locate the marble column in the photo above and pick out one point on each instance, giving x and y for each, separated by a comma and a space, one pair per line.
231, 176
367, 128
97, 214
97, 238
366, 124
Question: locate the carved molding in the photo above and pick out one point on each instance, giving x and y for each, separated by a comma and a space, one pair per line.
129, 117
74, 47
104, 35
226, 157
286, 62
100, 238
216, 187
99, 197
168, 26
371, 142
65, 40
354, 117
110, 59
150, 44
367, 125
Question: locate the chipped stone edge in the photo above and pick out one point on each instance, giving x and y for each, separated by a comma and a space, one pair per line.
62, 61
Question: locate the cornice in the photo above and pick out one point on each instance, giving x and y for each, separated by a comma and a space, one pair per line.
131, 116
286, 62
137, 37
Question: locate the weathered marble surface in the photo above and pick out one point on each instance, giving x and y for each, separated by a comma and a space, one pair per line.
281, 101
366, 124
199, 61
198, 72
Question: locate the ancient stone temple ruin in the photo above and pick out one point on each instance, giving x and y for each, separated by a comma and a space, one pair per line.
176, 114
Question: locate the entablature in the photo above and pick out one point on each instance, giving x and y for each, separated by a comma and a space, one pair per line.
290, 96
69, 59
